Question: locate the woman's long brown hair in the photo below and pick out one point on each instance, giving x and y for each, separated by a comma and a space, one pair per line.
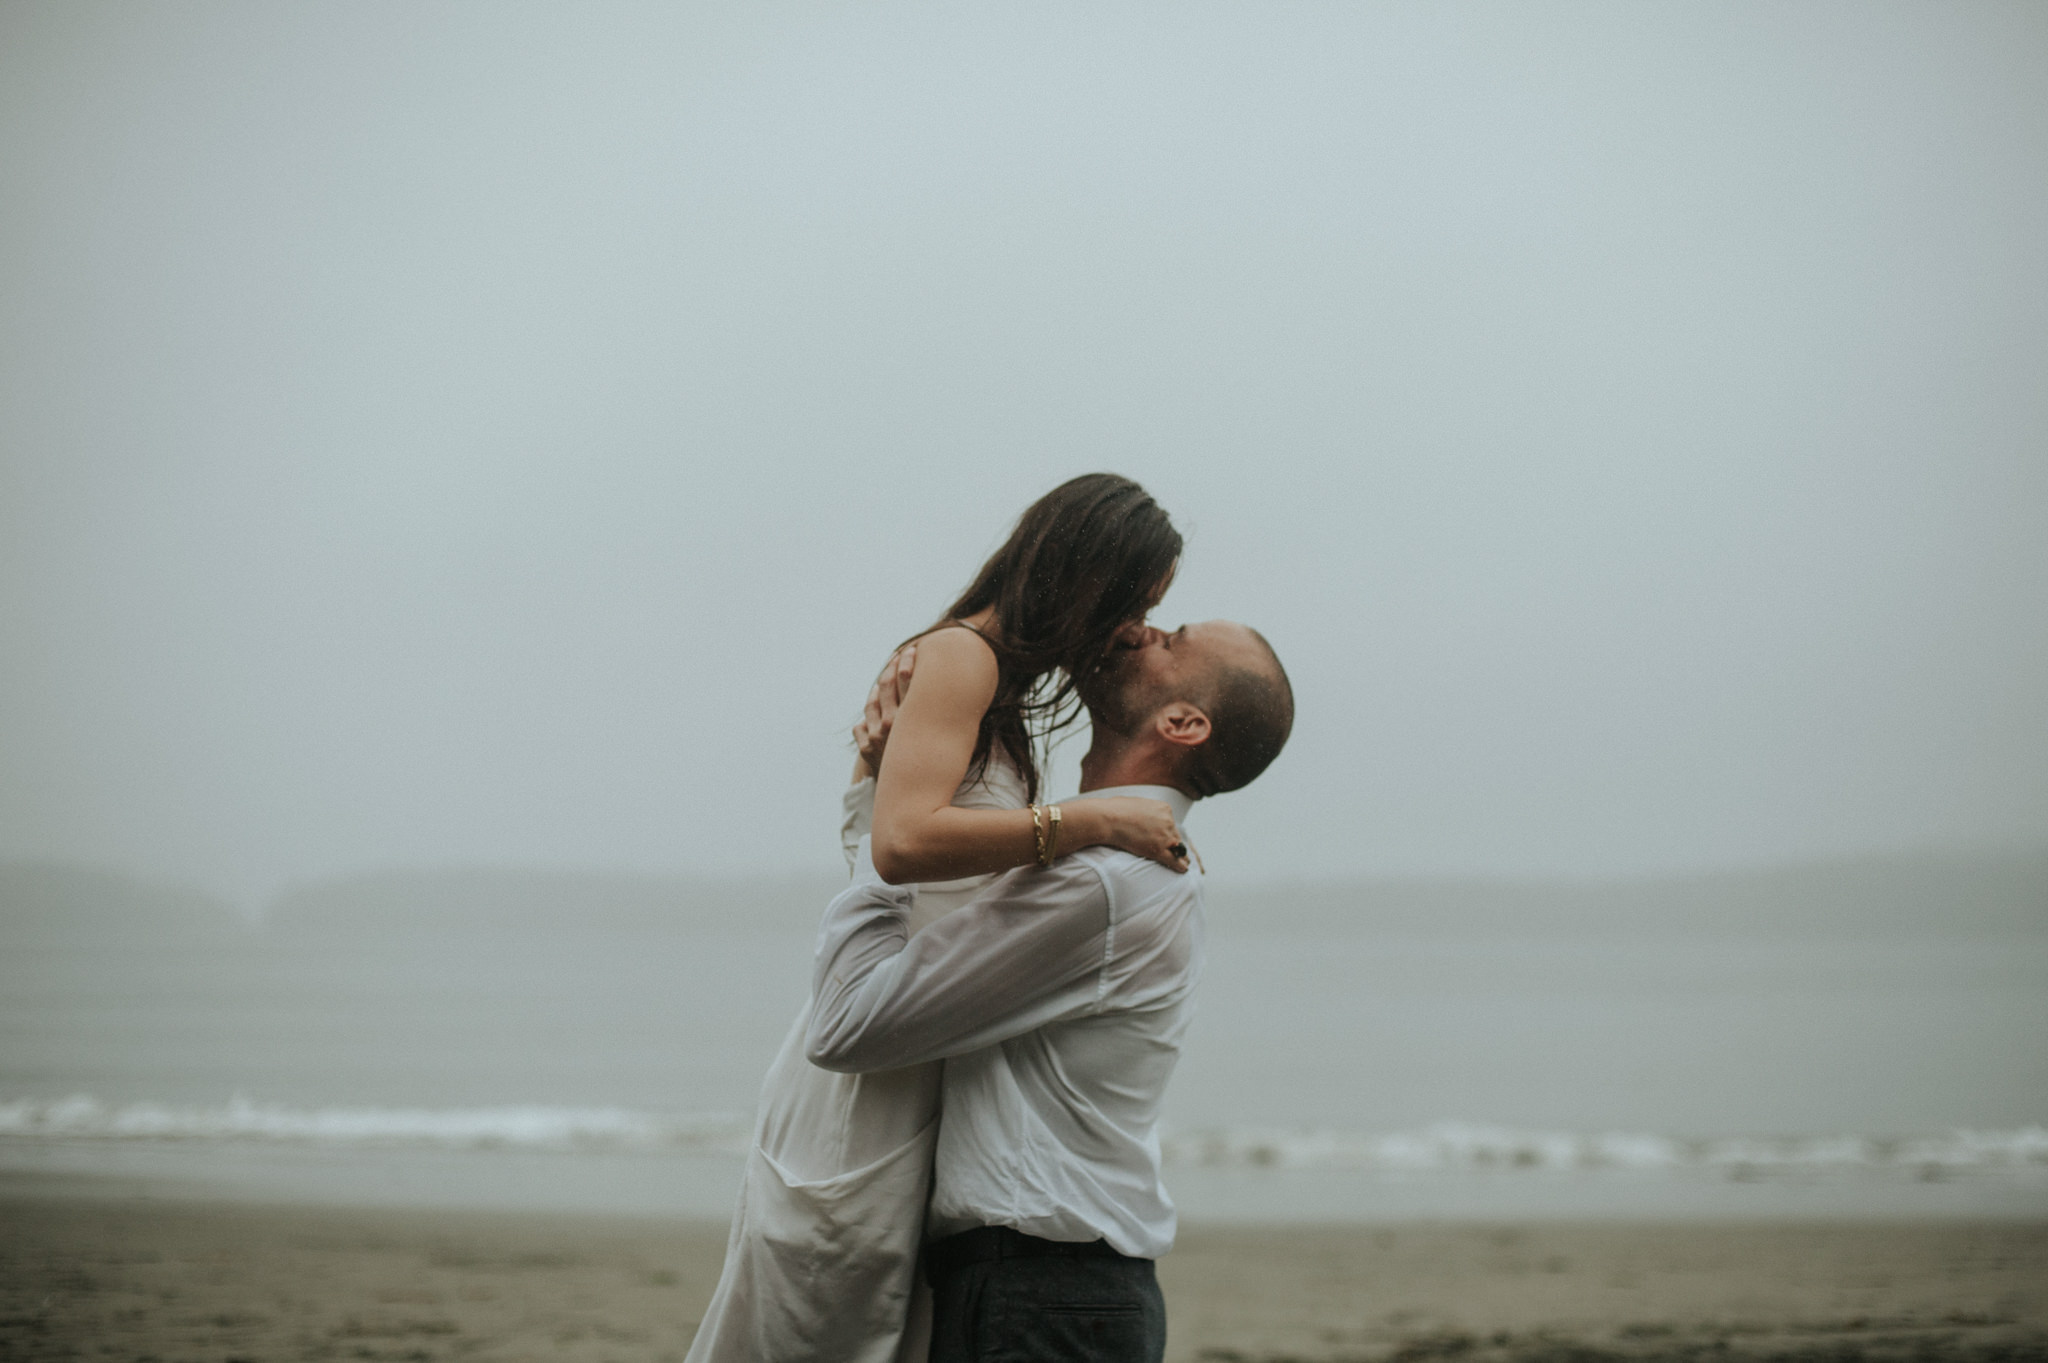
1085, 559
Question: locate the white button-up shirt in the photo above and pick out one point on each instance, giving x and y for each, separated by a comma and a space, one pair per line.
1058, 997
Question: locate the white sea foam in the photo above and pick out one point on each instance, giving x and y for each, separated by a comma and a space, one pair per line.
533, 1127
1446, 1147
1461, 1147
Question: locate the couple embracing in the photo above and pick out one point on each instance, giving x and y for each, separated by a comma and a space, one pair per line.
956, 1154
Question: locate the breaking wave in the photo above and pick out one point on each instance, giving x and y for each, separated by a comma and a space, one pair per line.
1469, 1147
530, 1127
1445, 1147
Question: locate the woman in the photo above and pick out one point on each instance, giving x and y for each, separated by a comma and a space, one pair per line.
821, 1263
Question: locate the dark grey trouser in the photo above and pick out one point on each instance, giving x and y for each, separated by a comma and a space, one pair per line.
1028, 1309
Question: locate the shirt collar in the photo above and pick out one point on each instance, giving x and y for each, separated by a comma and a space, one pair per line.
1177, 800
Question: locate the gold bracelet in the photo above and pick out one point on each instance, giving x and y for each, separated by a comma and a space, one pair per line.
1038, 832
1052, 837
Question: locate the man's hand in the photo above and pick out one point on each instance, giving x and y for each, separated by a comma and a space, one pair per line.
871, 735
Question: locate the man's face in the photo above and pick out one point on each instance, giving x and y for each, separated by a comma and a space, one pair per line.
1152, 667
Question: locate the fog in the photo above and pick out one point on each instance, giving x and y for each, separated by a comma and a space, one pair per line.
512, 435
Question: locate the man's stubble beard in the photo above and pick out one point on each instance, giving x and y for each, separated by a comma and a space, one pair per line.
1114, 697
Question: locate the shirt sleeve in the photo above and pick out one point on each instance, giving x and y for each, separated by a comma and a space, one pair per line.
1029, 950
856, 818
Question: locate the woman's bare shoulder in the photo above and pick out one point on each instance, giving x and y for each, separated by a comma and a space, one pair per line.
956, 660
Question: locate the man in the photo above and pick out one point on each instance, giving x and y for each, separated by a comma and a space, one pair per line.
1058, 998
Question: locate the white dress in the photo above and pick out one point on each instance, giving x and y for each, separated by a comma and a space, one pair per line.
821, 1265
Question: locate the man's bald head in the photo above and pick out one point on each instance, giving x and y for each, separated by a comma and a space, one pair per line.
1225, 670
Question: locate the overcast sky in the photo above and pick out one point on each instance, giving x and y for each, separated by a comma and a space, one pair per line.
453, 434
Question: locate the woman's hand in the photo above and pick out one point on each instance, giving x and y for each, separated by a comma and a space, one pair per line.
1139, 826
871, 735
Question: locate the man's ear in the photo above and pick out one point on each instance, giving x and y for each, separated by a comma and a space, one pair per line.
1182, 724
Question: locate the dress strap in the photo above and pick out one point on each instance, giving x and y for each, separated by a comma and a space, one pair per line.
960, 624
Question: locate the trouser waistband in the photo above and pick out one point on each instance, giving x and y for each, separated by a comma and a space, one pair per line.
984, 1244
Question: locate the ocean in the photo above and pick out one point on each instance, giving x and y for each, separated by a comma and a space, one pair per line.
1850, 1039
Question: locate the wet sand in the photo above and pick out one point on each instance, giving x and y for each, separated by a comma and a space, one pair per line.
141, 1281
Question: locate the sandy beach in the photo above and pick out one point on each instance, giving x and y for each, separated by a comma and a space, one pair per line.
166, 1282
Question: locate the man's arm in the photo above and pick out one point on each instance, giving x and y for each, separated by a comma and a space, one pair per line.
1028, 951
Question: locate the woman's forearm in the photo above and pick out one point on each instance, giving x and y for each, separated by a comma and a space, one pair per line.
949, 843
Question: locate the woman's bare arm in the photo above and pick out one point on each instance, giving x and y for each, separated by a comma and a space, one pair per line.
918, 833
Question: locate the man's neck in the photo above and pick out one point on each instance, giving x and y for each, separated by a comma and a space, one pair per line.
1114, 762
